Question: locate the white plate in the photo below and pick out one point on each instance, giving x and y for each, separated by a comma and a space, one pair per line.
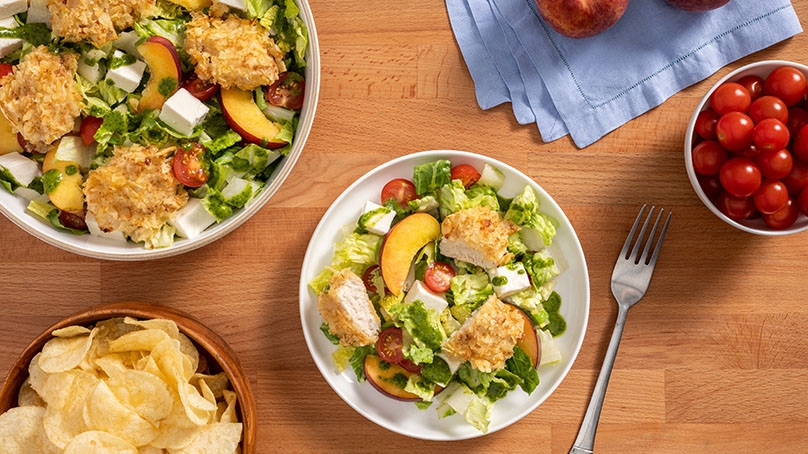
14, 208
404, 417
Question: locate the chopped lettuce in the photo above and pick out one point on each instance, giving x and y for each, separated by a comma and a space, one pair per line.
469, 291
531, 302
521, 365
432, 176
452, 198
460, 399
356, 251
421, 323
538, 229
550, 354
541, 267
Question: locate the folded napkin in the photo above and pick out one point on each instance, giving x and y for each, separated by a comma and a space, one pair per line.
591, 86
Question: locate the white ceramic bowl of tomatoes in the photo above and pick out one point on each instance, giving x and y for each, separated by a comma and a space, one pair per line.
746, 148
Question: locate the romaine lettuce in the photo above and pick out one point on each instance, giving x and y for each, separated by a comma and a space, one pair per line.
538, 229
356, 252
432, 176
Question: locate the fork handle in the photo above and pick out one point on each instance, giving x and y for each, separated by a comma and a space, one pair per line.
585, 442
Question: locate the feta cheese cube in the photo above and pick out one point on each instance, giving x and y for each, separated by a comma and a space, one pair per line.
431, 300
509, 279
9, 8
21, 168
182, 112
192, 219
381, 220
235, 4
126, 77
95, 230
9, 45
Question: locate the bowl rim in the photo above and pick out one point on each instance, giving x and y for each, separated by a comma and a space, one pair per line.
213, 344
763, 67
106, 249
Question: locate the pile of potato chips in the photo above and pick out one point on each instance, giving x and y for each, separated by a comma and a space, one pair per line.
123, 386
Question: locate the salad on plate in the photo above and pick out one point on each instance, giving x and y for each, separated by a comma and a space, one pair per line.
442, 292
146, 120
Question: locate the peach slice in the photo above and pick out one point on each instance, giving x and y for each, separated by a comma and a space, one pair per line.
401, 244
529, 342
243, 115
164, 67
8, 138
64, 180
383, 376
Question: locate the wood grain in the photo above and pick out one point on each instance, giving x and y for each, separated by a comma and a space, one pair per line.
715, 359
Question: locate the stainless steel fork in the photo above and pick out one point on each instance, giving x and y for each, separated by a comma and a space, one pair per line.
630, 279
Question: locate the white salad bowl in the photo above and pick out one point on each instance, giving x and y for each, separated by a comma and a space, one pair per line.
14, 207
404, 417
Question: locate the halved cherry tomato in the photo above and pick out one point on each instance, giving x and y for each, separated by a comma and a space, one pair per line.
389, 345
400, 189
199, 88
438, 276
288, 91
6, 69
368, 277
188, 165
88, 128
410, 366
465, 173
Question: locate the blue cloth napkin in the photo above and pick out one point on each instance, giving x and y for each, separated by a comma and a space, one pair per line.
589, 87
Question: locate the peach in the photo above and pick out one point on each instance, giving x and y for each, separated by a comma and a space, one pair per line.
8, 138
581, 18
243, 115
529, 342
380, 374
401, 244
65, 192
698, 5
163, 60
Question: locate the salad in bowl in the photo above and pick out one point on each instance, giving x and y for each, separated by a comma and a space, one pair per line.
144, 122
442, 291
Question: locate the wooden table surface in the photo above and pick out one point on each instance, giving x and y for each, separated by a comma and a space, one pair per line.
714, 359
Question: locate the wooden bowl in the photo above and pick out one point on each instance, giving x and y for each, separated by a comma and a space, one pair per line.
210, 345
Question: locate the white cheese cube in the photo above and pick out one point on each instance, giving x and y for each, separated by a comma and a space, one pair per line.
126, 77
182, 112
9, 45
95, 230
9, 8
21, 168
509, 279
192, 219
38, 12
379, 224
72, 149
235, 4
431, 300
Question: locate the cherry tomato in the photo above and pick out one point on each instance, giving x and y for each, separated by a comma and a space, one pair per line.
749, 152
410, 366
26, 145
73, 220
771, 134
802, 202
710, 184
799, 146
705, 124
708, 156
734, 131
771, 196
368, 277
784, 217
797, 179
774, 164
188, 165
288, 91
400, 189
740, 176
438, 276
786, 83
199, 88
730, 97
735, 208
768, 107
465, 173
753, 84
797, 118
88, 128
389, 345
6, 69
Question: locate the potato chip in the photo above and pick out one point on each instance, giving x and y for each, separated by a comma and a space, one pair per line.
28, 397
21, 432
105, 412
145, 340
217, 383
148, 395
71, 331
65, 395
64, 353
229, 412
216, 438
167, 326
36, 376
98, 442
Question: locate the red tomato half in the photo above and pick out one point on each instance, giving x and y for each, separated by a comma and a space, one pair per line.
6, 69
438, 276
389, 345
188, 165
465, 173
287, 91
199, 88
88, 128
368, 277
400, 189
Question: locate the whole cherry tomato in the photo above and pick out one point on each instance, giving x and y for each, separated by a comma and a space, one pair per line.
735, 208
771, 134
753, 84
708, 156
705, 124
787, 83
730, 97
774, 164
735, 131
768, 107
740, 176
771, 196
783, 218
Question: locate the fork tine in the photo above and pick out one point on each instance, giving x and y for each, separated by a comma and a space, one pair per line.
635, 252
647, 250
658, 246
625, 252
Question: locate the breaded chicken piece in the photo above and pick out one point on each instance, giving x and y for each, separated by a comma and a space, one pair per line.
96, 21
233, 52
487, 338
40, 98
478, 236
348, 311
136, 192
